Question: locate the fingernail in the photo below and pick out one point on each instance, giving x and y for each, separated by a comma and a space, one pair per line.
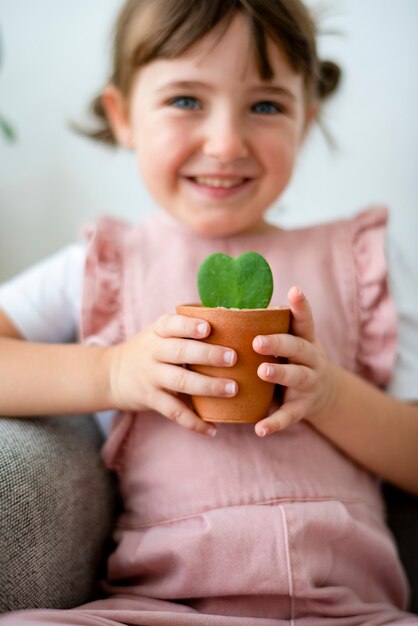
261, 431
211, 432
202, 329
260, 341
230, 389
268, 370
229, 357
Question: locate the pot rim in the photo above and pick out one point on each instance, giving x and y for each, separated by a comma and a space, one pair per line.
196, 305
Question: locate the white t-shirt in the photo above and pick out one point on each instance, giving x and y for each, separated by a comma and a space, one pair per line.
44, 304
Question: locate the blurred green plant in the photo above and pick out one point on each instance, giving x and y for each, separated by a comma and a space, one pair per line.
6, 129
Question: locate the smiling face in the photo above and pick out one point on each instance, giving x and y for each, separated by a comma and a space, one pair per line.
215, 143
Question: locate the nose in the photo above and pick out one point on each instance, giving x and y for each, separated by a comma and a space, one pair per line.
225, 137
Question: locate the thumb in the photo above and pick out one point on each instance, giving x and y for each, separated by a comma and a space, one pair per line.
302, 320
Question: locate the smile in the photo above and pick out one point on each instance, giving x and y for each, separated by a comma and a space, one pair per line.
218, 183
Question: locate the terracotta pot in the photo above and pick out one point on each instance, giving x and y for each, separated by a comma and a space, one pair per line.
236, 328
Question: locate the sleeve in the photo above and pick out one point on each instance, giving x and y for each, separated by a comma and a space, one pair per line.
43, 302
376, 314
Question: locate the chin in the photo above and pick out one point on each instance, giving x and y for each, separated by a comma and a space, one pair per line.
221, 226
216, 229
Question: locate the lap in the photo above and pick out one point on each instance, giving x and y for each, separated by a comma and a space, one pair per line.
139, 611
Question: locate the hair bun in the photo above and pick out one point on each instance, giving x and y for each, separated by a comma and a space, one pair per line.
329, 78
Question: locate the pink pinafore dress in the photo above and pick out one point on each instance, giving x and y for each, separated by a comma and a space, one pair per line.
238, 530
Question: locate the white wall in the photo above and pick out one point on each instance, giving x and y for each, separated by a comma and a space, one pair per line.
52, 181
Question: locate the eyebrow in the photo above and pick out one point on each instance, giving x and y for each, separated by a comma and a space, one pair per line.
274, 90
184, 84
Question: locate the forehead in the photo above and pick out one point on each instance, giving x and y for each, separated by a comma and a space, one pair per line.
235, 41
227, 53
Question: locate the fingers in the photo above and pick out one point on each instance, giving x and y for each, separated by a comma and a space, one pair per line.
288, 414
287, 346
193, 352
297, 347
146, 370
182, 380
175, 329
302, 320
175, 341
174, 409
181, 326
305, 375
297, 377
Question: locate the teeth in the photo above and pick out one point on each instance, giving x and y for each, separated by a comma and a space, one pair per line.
226, 183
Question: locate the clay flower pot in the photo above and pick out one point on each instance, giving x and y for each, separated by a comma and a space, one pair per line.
236, 328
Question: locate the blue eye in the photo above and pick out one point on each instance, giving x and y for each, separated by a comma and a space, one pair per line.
185, 102
267, 108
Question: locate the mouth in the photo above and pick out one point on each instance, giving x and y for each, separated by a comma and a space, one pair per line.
216, 182
220, 187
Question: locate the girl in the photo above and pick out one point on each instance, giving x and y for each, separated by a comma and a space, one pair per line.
277, 525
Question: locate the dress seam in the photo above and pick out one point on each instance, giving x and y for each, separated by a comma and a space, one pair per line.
288, 566
278, 501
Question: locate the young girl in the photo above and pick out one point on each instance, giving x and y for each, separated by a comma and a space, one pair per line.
278, 524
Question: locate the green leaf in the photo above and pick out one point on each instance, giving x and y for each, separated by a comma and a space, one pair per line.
242, 283
7, 130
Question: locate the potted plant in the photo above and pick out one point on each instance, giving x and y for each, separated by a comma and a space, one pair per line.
235, 294
5, 127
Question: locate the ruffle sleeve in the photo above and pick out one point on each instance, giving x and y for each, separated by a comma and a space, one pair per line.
376, 314
102, 311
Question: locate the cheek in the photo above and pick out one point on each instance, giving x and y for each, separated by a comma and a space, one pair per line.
160, 147
280, 159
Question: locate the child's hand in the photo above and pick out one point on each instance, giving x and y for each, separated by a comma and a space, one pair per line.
308, 375
147, 372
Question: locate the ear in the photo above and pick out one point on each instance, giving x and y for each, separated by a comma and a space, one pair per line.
117, 111
311, 115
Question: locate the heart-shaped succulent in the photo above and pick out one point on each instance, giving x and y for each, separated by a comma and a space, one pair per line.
242, 283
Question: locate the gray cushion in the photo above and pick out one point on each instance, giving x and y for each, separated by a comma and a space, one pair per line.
56, 511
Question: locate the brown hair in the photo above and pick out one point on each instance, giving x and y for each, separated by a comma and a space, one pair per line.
150, 29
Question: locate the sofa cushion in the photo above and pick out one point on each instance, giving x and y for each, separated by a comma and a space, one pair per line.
56, 511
